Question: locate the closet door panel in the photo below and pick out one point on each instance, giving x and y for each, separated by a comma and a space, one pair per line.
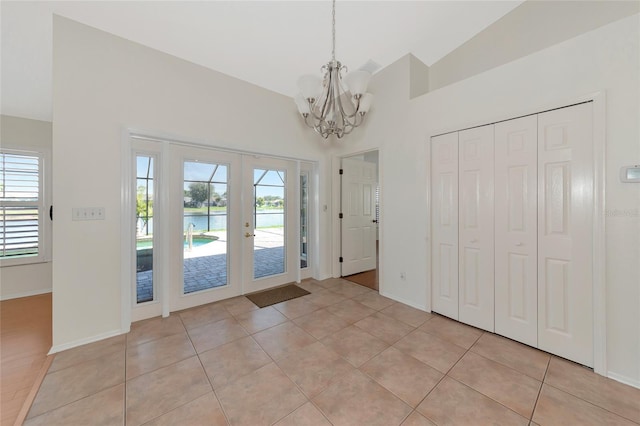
444, 190
565, 243
476, 236
516, 223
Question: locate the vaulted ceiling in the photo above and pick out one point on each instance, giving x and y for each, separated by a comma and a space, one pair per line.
267, 43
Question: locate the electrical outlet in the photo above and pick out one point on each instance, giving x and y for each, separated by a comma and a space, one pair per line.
88, 213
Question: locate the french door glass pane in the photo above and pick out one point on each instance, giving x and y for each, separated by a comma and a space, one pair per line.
304, 219
144, 228
269, 220
205, 223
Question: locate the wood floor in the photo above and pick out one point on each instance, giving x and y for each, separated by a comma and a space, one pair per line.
366, 278
25, 340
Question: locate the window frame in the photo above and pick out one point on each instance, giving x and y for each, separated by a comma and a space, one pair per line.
43, 203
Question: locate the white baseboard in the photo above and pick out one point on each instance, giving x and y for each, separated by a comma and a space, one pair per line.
322, 277
26, 294
76, 343
406, 302
623, 379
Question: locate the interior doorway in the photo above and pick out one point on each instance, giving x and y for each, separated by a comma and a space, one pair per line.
360, 219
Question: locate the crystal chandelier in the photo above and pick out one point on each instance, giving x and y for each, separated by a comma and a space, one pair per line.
334, 105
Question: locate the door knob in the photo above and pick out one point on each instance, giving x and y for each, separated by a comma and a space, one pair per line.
247, 235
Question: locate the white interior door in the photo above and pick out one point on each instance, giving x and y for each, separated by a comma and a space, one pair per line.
476, 238
269, 231
444, 200
565, 243
516, 225
359, 181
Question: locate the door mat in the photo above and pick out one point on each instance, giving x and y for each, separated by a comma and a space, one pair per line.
276, 295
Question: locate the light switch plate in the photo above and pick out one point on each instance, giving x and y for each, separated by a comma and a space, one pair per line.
87, 213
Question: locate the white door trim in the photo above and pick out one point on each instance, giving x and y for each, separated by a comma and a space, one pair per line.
335, 221
128, 134
312, 261
598, 266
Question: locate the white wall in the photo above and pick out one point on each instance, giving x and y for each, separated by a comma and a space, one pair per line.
24, 280
603, 59
102, 85
402, 204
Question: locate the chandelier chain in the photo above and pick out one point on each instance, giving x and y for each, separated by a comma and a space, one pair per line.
328, 105
333, 33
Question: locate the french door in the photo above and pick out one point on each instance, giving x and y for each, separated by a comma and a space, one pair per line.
211, 225
269, 223
206, 209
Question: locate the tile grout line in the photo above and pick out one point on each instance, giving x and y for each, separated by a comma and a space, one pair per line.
480, 355
213, 389
186, 332
578, 397
542, 383
592, 404
508, 366
46, 373
310, 400
487, 396
283, 372
445, 374
413, 409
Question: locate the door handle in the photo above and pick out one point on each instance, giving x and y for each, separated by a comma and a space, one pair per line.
519, 244
248, 235
374, 221
474, 241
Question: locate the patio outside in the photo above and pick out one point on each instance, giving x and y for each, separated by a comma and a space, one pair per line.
205, 266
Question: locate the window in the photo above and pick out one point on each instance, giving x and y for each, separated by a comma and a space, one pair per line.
145, 172
304, 218
23, 229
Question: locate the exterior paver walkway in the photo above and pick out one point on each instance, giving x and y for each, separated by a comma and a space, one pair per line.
205, 266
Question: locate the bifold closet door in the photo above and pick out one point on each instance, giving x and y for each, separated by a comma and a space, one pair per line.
516, 226
444, 190
565, 242
476, 237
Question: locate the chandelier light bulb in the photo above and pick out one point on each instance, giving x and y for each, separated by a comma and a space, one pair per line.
365, 103
302, 104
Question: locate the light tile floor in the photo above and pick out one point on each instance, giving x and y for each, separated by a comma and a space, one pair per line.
342, 355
